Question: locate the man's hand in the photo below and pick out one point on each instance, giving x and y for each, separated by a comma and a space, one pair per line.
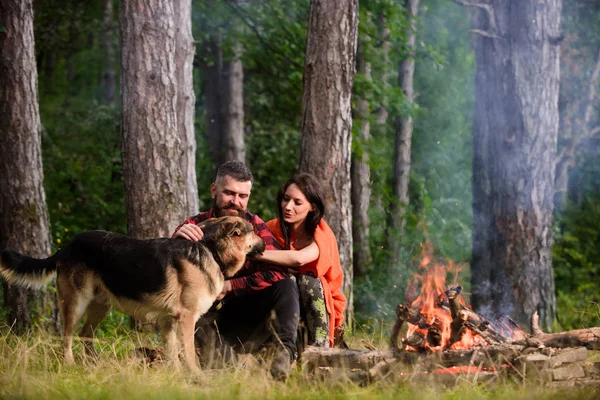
190, 232
226, 289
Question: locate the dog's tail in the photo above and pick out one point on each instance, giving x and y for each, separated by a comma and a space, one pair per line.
21, 270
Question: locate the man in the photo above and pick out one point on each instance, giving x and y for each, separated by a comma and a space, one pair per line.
258, 291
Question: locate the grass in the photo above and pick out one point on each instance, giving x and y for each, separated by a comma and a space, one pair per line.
31, 368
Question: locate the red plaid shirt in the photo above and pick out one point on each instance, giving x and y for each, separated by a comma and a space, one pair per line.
254, 275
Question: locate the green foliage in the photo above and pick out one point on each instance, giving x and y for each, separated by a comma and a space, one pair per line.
576, 259
82, 166
440, 182
273, 37
80, 141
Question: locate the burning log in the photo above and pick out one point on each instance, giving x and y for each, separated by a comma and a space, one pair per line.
455, 306
397, 327
416, 341
434, 334
411, 316
458, 327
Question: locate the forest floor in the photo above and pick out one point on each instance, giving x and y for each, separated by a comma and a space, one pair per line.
31, 367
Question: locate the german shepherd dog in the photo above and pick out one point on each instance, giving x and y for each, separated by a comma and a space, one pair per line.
170, 281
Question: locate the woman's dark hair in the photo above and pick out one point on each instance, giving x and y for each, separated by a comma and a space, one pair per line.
311, 188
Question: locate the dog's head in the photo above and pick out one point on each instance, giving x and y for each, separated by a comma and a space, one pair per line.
231, 239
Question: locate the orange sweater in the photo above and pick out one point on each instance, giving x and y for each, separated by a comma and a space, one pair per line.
327, 268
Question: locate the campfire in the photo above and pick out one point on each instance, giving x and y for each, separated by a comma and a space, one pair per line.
437, 335
439, 318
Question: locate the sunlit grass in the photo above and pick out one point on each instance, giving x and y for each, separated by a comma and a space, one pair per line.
31, 367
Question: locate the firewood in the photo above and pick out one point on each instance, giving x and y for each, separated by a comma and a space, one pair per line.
589, 338
489, 335
457, 327
411, 315
434, 334
455, 306
416, 341
396, 329
535, 325
331, 357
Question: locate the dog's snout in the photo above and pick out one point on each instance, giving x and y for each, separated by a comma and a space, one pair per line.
256, 246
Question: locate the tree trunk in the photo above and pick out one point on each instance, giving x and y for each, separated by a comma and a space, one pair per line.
212, 91
233, 107
580, 130
326, 116
24, 224
184, 59
361, 181
109, 76
403, 139
155, 184
224, 91
514, 144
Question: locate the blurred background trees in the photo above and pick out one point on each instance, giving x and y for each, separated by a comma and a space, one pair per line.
248, 73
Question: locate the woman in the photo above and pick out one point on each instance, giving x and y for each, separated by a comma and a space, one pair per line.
311, 253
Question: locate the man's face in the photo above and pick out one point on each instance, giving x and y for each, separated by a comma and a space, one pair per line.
230, 197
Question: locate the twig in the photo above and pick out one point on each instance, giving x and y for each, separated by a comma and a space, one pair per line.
535, 324
485, 33
488, 9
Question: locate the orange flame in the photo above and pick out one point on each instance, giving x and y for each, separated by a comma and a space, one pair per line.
432, 279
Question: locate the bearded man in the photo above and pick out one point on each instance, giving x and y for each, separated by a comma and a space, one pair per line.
259, 307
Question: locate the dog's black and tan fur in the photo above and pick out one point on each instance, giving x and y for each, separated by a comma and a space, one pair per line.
170, 281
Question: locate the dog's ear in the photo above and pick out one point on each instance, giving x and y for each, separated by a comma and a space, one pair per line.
234, 228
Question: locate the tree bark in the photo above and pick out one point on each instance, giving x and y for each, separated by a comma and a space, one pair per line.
184, 59
514, 144
233, 107
155, 184
212, 91
326, 117
24, 224
109, 75
403, 139
361, 182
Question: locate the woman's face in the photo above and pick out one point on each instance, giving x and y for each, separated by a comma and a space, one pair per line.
294, 205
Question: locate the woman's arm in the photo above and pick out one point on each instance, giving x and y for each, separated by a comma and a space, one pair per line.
292, 258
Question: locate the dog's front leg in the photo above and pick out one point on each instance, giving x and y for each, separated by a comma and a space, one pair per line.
168, 327
187, 323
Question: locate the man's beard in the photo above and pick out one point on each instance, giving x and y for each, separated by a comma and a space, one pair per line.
218, 211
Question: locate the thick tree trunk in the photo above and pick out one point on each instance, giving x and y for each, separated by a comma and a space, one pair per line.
514, 144
186, 99
361, 182
403, 139
24, 224
155, 184
109, 75
326, 116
